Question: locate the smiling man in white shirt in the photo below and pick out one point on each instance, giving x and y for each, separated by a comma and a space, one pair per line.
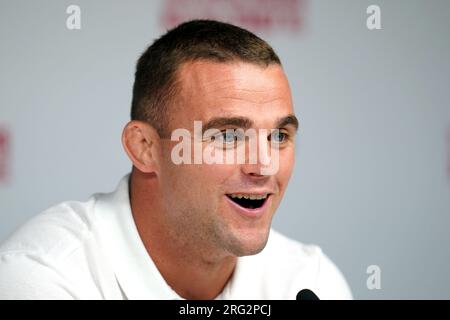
190, 229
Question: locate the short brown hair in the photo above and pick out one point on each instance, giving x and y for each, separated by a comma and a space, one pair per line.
155, 76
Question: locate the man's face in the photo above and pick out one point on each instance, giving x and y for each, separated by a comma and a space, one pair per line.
201, 201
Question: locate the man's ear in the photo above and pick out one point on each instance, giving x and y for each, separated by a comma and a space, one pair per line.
141, 142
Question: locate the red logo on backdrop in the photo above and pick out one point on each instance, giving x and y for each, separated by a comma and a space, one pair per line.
4, 154
256, 15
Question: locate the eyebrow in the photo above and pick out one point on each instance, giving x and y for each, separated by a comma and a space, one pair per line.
217, 122
245, 123
288, 120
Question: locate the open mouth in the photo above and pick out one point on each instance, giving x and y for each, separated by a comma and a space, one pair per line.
249, 201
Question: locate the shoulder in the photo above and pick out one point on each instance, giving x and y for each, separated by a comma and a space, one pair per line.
46, 256
53, 232
297, 266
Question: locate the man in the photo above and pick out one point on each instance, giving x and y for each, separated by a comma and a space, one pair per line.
190, 229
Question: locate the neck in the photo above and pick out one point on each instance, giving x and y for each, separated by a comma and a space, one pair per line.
192, 270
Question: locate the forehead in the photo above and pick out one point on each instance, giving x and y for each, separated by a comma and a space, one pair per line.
202, 71
214, 79
210, 89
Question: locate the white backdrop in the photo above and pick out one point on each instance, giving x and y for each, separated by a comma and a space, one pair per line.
372, 179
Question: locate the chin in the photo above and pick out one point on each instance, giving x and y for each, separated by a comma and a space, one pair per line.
249, 244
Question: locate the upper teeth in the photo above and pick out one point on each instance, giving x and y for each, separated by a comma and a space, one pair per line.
249, 196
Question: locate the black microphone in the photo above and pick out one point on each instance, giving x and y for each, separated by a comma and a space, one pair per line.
306, 294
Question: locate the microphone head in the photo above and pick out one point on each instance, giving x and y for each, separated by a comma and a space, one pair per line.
306, 294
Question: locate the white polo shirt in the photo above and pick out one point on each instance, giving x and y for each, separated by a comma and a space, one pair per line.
92, 250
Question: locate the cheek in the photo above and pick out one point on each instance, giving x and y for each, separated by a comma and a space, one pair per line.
196, 179
214, 176
287, 160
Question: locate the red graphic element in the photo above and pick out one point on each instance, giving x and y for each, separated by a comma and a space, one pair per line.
255, 15
4, 154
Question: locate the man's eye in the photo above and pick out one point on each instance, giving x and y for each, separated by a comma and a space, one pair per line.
226, 137
277, 136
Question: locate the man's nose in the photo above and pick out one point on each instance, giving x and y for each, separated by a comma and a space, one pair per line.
258, 160
253, 170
